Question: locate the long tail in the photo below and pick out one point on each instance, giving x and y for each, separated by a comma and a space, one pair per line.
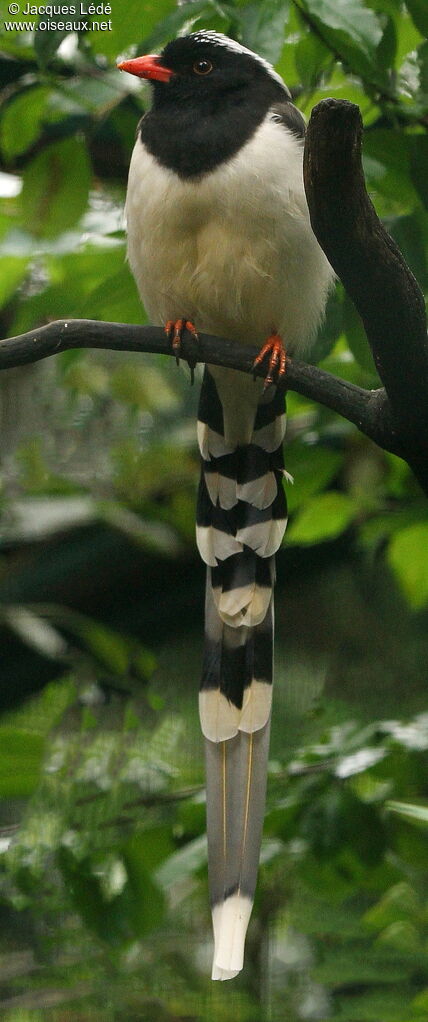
241, 517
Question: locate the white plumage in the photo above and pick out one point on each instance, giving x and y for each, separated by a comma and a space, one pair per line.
233, 251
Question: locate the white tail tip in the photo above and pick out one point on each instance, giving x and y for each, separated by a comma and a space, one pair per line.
230, 922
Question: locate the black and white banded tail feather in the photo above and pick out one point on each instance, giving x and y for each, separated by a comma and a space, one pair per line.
241, 518
236, 791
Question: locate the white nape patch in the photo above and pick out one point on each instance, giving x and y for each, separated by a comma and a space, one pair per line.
256, 706
245, 605
230, 924
260, 493
218, 39
218, 716
215, 545
270, 437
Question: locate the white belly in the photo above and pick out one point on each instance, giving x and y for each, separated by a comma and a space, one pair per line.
234, 250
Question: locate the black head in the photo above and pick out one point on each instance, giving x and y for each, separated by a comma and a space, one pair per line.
209, 66
209, 96
206, 66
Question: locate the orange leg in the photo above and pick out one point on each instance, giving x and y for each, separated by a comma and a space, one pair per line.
274, 347
175, 329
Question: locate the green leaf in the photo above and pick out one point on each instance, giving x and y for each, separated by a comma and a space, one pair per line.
12, 274
420, 1004
133, 23
91, 95
415, 813
387, 165
313, 467
360, 761
376, 1004
373, 533
144, 387
21, 757
351, 29
75, 277
263, 26
411, 235
311, 56
147, 901
149, 847
46, 41
55, 188
184, 863
387, 49
27, 109
186, 14
350, 18
115, 896
40, 635
397, 904
402, 935
336, 820
87, 377
107, 646
358, 968
36, 477
44, 711
356, 336
412, 735
419, 13
115, 299
330, 330
192, 816
323, 518
418, 165
423, 65
408, 557
409, 39
141, 474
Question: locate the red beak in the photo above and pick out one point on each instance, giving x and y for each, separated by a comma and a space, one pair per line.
147, 67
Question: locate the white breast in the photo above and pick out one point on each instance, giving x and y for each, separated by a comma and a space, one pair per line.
232, 250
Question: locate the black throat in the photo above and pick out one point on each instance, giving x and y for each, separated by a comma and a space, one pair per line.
193, 138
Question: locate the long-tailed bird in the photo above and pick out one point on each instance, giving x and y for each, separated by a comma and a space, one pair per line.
219, 240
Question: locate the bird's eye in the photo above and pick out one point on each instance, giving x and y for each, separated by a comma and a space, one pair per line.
202, 67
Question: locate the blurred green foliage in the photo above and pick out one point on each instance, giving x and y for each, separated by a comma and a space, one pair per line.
102, 850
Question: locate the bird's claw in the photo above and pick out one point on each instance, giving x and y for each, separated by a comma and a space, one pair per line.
277, 363
175, 330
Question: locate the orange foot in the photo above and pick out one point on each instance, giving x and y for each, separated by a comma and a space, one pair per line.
273, 347
175, 330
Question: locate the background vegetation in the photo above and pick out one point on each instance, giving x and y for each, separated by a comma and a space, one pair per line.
104, 911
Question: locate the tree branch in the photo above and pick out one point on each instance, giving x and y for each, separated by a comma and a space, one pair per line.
375, 275
373, 271
367, 409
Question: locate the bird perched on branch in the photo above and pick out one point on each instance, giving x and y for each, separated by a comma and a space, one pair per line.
219, 240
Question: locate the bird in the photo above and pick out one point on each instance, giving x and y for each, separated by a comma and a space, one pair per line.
219, 241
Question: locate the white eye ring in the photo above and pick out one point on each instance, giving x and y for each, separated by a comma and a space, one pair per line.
202, 67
